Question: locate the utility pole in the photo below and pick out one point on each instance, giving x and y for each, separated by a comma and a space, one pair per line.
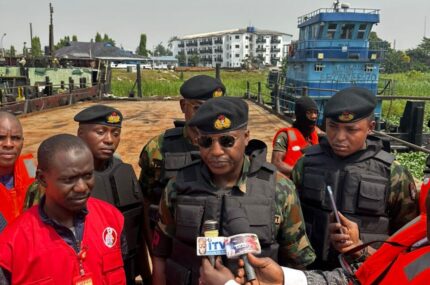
1, 44
51, 31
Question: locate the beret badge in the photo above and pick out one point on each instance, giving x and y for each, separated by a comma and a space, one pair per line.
113, 118
346, 116
217, 93
222, 122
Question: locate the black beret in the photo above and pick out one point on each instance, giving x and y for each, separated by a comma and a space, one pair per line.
221, 115
101, 115
202, 87
350, 105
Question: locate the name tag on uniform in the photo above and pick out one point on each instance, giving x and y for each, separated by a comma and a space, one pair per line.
83, 280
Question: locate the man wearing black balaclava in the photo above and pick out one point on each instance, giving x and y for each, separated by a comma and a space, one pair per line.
288, 143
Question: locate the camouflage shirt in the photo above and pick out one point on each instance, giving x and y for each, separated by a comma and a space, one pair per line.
402, 201
294, 248
150, 162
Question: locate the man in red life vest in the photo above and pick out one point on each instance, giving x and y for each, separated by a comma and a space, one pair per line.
288, 143
68, 238
16, 171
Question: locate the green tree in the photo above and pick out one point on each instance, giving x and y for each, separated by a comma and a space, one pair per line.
181, 58
161, 50
193, 60
74, 38
36, 49
62, 42
420, 56
107, 39
141, 49
12, 51
98, 38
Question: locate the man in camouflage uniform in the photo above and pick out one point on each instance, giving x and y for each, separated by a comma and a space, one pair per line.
164, 154
232, 181
369, 186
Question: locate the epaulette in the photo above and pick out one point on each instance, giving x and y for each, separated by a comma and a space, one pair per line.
174, 132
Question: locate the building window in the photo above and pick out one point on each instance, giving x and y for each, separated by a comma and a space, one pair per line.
318, 67
347, 30
368, 67
237, 55
246, 46
361, 31
331, 31
247, 38
237, 37
237, 46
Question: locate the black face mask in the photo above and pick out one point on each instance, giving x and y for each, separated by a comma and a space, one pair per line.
302, 122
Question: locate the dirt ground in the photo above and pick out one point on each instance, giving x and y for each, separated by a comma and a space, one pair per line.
142, 121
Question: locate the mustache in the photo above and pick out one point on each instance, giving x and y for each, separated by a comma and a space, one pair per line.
80, 196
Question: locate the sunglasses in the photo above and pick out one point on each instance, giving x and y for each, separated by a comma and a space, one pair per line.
225, 141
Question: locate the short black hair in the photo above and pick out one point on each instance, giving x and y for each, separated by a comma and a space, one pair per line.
51, 146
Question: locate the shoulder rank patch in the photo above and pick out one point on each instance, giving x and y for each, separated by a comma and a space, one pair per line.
222, 122
346, 116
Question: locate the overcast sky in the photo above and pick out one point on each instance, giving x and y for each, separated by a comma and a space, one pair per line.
125, 20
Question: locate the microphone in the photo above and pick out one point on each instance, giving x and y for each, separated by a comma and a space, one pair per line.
238, 224
210, 229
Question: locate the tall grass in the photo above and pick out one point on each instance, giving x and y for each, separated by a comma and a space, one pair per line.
167, 83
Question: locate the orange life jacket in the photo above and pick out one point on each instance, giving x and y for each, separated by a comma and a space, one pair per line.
12, 200
296, 143
395, 259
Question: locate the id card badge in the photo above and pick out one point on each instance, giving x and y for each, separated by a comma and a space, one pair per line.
85, 279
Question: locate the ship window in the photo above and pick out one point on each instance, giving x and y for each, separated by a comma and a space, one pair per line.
361, 31
368, 67
318, 67
331, 31
347, 30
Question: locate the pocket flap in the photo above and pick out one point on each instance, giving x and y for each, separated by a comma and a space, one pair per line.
174, 161
372, 191
112, 260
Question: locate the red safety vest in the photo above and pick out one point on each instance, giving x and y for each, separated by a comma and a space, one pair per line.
12, 200
425, 187
33, 252
296, 143
396, 260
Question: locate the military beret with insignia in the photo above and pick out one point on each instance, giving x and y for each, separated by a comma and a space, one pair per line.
350, 105
221, 115
202, 87
101, 115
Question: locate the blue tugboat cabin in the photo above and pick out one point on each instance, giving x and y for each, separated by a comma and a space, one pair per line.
333, 52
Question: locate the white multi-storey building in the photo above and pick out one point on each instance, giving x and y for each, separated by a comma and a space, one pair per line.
232, 48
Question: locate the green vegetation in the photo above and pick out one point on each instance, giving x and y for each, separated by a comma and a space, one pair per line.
167, 83
414, 161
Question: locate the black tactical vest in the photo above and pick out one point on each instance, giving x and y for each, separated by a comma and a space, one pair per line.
197, 201
118, 186
360, 185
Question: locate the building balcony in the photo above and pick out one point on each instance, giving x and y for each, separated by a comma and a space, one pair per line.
206, 43
192, 51
218, 59
274, 50
275, 58
218, 50
205, 51
261, 50
192, 44
260, 41
218, 42
181, 45
275, 41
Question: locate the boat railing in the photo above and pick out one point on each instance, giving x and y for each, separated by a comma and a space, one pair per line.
308, 16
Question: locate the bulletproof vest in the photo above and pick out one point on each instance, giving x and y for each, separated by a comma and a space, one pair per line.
177, 152
197, 201
360, 185
118, 186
